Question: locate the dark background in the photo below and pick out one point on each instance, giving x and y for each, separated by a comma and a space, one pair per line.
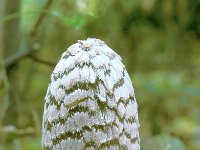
159, 41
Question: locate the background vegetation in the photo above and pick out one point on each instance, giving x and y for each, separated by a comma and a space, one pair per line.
159, 41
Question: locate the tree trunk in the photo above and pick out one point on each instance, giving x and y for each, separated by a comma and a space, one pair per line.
1, 28
10, 44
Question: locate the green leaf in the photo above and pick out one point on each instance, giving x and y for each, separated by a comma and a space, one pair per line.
76, 21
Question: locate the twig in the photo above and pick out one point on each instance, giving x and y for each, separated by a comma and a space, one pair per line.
37, 122
24, 53
17, 56
52, 64
10, 132
40, 18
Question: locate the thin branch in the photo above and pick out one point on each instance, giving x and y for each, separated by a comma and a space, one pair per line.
24, 53
10, 132
40, 60
40, 18
17, 56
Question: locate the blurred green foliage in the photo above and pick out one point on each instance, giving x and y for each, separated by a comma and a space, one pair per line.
159, 41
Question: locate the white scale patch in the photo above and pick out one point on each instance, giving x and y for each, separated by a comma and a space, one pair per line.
121, 110
81, 120
92, 76
69, 63
102, 93
121, 92
52, 113
85, 74
109, 82
131, 110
